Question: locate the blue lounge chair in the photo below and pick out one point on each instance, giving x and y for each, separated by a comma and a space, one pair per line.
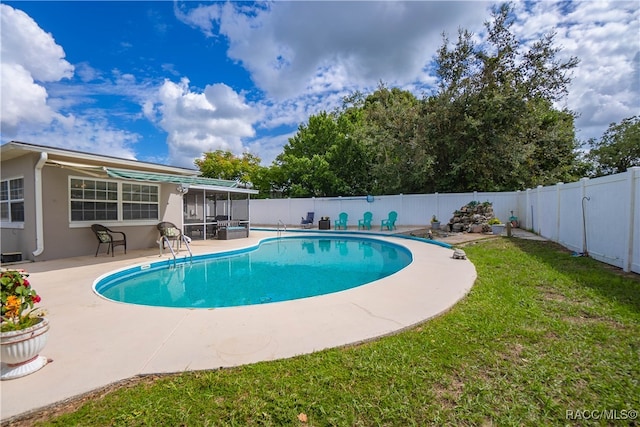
390, 222
366, 221
341, 222
308, 222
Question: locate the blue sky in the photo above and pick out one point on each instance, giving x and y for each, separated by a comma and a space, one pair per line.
166, 81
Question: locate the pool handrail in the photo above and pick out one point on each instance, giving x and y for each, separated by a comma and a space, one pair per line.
183, 238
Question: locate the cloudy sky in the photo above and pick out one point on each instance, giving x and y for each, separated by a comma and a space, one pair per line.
166, 81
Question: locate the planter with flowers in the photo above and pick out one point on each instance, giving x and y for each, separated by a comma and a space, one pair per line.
497, 227
435, 223
23, 330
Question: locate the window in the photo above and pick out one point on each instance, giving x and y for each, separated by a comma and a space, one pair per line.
93, 200
97, 200
12, 200
139, 201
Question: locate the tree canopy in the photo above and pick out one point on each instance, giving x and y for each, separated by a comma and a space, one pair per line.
492, 125
618, 149
222, 164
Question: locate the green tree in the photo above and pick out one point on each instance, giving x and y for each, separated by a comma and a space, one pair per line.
324, 158
225, 165
492, 125
618, 149
393, 135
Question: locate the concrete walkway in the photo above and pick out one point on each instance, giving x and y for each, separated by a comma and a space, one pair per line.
94, 342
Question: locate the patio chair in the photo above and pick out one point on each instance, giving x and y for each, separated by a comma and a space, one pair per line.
341, 222
106, 236
366, 221
170, 231
307, 222
390, 222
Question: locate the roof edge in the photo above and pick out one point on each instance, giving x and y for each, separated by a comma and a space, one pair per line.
34, 148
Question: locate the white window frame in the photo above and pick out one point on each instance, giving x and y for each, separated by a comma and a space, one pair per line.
141, 202
9, 223
119, 201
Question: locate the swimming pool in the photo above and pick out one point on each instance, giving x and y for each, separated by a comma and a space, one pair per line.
277, 269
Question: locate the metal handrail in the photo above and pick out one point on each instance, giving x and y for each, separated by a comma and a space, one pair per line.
186, 243
183, 238
279, 233
165, 239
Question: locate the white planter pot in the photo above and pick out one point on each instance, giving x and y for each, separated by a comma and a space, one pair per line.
497, 228
20, 350
435, 225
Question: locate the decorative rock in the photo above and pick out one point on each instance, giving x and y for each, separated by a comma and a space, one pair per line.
459, 254
458, 227
476, 228
473, 217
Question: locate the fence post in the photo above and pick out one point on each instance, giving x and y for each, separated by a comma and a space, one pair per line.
630, 237
585, 230
538, 214
527, 207
558, 199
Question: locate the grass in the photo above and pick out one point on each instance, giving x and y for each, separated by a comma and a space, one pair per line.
541, 333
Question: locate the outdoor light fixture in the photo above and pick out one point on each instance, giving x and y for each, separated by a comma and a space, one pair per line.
183, 188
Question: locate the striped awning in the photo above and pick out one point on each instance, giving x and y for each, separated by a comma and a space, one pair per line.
184, 180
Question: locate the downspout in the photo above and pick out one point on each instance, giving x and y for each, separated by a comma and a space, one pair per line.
38, 202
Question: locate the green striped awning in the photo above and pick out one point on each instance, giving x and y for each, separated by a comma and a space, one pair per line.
192, 181
164, 177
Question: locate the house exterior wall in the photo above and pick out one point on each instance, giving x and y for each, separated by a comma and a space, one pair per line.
21, 237
63, 239
47, 231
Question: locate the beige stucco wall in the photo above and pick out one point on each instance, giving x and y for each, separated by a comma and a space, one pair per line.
63, 239
21, 240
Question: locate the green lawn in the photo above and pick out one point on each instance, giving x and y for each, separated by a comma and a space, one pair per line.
541, 333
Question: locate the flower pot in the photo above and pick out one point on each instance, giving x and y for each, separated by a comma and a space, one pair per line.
20, 350
497, 228
435, 225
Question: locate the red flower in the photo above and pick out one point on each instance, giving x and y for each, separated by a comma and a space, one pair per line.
26, 283
36, 299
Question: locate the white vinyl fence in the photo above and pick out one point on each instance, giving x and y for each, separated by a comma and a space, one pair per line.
599, 217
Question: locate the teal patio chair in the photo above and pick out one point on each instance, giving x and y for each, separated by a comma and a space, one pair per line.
390, 222
341, 222
366, 221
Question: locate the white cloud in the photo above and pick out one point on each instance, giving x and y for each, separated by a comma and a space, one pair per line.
201, 17
300, 53
29, 56
217, 118
294, 48
604, 36
90, 136
307, 56
31, 62
269, 147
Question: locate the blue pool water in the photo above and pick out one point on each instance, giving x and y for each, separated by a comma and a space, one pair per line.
276, 270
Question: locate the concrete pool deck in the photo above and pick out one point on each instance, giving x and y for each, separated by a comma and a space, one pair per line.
94, 342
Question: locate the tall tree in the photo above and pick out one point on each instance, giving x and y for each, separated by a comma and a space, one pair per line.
618, 149
492, 123
324, 158
394, 136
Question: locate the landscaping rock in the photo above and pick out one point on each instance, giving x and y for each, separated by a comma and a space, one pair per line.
459, 254
472, 217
